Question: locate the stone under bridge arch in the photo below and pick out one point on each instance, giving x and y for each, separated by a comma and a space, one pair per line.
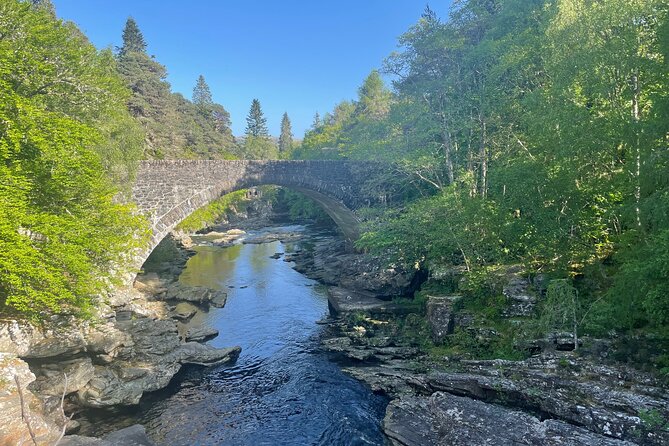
168, 191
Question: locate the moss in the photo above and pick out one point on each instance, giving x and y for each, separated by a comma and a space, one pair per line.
214, 211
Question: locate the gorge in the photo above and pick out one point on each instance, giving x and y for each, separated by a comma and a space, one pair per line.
473, 249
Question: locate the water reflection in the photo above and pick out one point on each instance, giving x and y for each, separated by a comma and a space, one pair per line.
211, 267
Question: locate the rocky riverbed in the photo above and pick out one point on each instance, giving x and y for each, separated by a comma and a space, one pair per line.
555, 397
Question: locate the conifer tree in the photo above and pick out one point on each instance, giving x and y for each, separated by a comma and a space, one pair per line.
317, 121
202, 96
175, 127
256, 123
373, 98
258, 144
286, 137
133, 40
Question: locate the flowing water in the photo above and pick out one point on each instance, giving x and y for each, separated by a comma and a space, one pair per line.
281, 390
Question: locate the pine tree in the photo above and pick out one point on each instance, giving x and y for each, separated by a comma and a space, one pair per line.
256, 123
202, 96
133, 40
286, 137
317, 121
175, 127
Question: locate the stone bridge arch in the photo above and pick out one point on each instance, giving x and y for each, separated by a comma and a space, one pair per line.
168, 191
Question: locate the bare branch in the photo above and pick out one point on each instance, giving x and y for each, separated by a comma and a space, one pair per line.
422, 177
524, 147
66, 419
25, 416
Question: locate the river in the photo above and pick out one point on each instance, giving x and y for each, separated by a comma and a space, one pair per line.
282, 390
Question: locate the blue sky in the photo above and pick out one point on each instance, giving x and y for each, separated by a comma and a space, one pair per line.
301, 57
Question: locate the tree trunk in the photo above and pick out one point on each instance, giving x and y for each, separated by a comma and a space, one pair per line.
447, 148
483, 155
470, 159
636, 116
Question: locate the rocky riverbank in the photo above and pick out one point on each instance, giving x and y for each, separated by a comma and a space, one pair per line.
555, 396
132, 347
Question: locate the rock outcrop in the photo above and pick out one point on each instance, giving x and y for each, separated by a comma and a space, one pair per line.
332, 263
20, 408
445, 419
441, 316
607, 400
154, 355
132, 348
589, 402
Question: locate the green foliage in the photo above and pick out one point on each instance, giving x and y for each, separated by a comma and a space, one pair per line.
257, 143
214, 212
354, 129
373, 98
561, 310
448, 228
467, 344
534, 133
63, 236
300, 206
202, 97
259, 148
639, 293
653, 420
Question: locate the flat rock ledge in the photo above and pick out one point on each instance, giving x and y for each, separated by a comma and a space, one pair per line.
342, 300
130, 436
195, 294
449, 420
154, 355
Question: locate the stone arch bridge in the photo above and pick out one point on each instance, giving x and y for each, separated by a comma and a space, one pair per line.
168, 191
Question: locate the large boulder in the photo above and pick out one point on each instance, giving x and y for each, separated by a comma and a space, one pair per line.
200, 333
195, 294
440, 316
342, 301
332, 263
184, 311
520, 294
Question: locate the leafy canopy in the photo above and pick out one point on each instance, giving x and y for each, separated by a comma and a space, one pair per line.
63, 236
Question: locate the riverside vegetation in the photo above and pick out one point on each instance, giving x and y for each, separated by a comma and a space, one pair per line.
75, 123
529, 140
534, 134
